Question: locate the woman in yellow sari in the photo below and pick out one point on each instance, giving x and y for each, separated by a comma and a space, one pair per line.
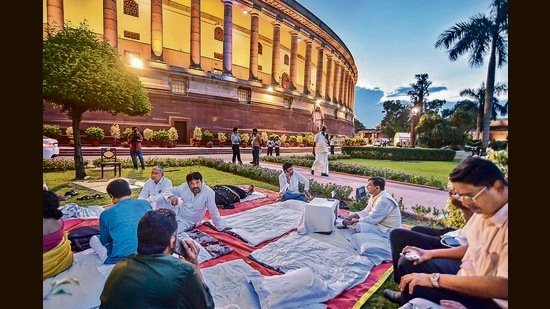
56, 247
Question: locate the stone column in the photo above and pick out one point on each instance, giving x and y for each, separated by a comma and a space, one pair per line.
227, 37
254, 36
307, 67
336, 80
110, 28
195, 61
341, 83
55, 13
328, 84
276, 55
293, 59
156, 30
345, 94
319, 79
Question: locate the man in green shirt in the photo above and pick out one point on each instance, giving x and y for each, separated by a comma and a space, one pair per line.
154, 277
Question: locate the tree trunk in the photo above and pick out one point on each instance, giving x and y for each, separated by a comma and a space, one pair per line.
80, 169
488, 108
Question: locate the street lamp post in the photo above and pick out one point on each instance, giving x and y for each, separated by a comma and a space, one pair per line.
412, 137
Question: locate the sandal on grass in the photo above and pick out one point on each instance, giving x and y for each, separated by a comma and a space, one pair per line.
85, 198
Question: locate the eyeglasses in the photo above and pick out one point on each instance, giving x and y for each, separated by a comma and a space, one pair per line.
290, 169
467, 199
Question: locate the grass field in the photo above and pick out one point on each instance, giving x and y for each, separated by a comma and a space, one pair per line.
438, 169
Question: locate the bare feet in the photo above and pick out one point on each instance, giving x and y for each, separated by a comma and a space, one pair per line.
250, 190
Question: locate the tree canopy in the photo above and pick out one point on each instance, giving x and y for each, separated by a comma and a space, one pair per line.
81, 73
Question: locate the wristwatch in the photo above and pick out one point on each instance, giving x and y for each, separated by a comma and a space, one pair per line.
435, 279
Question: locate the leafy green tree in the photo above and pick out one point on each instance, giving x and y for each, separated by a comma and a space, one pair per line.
419, 93
481, 36
433, 107
82, 73
397, 118
479, 96
435, 131
358, 125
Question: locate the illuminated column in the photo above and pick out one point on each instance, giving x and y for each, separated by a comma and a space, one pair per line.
55, 13
254, 33
346, 83
341, 83
336, 80
293, 59
276, 56
307, 67
319, 79
110, 30
227, 37
328, 84
156, 29
195, 62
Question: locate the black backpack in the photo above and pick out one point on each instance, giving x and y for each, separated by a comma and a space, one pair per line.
228, 195
80, 237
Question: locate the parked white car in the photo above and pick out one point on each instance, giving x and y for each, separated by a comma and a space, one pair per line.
50, 148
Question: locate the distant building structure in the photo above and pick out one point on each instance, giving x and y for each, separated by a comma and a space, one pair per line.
215, 64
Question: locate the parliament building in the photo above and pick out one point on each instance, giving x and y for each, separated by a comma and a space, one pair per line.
216, 64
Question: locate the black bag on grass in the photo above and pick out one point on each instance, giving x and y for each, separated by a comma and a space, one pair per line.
80, 237
227, 195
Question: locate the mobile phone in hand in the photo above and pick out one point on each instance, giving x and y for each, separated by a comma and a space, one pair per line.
410, 255
179, 249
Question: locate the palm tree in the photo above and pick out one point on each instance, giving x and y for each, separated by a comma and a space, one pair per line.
478, 95
480, 36
418, 95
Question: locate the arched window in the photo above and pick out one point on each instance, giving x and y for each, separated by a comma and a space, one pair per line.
131, 8
336, 113
218, 34
260, 48
287, 59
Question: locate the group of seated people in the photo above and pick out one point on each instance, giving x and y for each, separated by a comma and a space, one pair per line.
471, 275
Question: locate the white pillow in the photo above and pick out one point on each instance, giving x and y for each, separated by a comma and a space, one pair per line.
294, 204
296, 288
374, 246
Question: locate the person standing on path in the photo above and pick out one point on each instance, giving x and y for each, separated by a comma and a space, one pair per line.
277, 146
331, 142
134, 140
270, 145
235, 146
256, 146
320, 151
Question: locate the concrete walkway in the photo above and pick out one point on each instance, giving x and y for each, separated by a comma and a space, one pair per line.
411, 194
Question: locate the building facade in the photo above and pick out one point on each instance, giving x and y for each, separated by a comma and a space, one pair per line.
216, 64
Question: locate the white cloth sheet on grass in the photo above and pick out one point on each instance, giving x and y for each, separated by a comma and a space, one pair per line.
254, 196
73, 210
230, 286
331, 257
264, 223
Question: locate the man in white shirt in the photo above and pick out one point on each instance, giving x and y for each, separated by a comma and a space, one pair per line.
380, 216
153, 187
289, 181
192, 200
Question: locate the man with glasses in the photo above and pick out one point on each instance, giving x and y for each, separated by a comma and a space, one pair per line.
289, 182
154, 277
482, 278
154, 186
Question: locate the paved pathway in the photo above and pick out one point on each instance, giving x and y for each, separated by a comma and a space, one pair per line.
412, 194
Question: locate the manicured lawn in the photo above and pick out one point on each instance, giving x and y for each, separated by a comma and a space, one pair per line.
60, 182
437, 169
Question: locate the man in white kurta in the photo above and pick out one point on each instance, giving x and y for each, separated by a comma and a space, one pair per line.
153, 187
192, 199
320, 151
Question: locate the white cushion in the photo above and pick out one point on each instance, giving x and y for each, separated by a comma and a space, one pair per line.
296, 288
372, 245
